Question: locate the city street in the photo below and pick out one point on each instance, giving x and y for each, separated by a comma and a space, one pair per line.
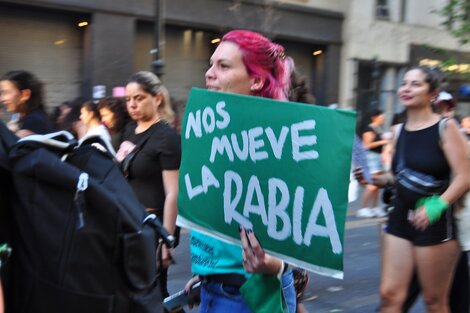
357, 293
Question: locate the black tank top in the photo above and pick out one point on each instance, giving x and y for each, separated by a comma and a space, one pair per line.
422, 152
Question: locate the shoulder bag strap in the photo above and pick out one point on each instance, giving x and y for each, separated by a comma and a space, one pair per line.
442, 127
126, 162
143, 140
400, 148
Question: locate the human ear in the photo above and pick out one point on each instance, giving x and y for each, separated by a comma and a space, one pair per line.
257, 84
158, 99
25, 95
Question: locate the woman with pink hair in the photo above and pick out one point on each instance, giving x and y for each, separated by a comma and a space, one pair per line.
246, 63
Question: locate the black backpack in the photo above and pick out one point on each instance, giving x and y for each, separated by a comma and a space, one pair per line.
7, 140
83, 242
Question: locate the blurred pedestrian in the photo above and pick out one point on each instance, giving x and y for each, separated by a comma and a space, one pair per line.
22, 94
114, 116
420, 234
71, 121
91, 119
151, 155
298, 91
59, 114
374, 141
465, 126
445, 104
245, 63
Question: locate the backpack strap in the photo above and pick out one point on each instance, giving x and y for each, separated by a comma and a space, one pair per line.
62, 140
396, 133
442, 127
126, 162
100, 143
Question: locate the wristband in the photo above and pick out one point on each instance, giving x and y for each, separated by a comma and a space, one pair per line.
433, 206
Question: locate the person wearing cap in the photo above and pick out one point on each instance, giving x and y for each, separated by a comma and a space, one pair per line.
445, 104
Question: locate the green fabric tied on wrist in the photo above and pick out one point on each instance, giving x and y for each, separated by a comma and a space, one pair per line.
263, 294
434, 207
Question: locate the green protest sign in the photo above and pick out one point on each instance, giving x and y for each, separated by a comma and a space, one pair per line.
279, 168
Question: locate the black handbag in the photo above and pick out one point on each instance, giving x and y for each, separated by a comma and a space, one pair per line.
418, 182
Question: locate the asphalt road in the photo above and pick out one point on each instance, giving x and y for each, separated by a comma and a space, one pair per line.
356, 293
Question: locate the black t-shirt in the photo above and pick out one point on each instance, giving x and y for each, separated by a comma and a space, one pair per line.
162, 151
378, 137
37, 122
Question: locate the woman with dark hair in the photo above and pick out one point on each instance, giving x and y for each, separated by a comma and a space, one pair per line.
22, 93
245, 63
91, 120
153, 152
114, 116
373, 141
420, 234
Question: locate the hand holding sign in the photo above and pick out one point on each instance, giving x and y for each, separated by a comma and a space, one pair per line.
255, 260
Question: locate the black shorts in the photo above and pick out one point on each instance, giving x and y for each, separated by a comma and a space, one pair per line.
441, 231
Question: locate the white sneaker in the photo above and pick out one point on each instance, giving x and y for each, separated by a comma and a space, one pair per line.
379, 212
365, 213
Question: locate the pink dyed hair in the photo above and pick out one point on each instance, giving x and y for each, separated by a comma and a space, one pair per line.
263, 59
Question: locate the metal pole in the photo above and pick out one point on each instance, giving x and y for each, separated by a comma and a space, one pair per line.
157, 63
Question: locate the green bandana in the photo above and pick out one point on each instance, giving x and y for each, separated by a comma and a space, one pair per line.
263, 294
434, 207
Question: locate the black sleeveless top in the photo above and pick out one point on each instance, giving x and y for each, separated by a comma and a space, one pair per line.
378, 137
422, 152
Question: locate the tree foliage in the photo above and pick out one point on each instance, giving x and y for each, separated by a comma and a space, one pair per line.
457, 15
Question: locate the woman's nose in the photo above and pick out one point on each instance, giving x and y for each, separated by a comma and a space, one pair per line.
209, 73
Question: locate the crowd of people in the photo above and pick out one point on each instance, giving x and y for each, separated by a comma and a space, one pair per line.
141, 131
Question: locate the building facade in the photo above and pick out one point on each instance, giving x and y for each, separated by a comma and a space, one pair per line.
382, 38
353, 52
75, 45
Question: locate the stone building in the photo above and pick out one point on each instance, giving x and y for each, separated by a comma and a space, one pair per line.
353, 52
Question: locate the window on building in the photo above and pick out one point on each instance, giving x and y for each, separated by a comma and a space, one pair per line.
382, 10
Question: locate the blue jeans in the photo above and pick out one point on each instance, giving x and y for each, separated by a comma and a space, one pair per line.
219, 298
